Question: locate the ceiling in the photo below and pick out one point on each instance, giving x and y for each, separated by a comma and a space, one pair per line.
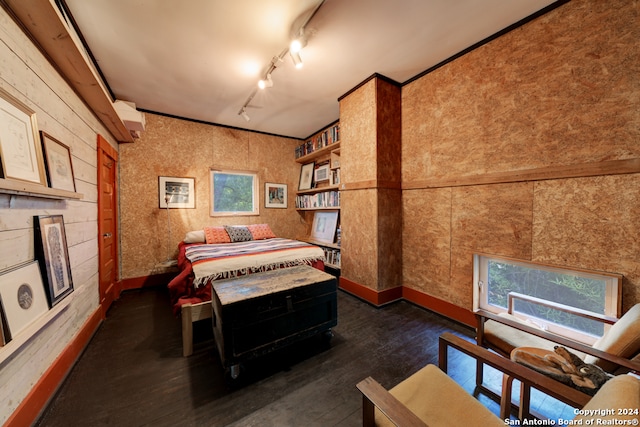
202, 59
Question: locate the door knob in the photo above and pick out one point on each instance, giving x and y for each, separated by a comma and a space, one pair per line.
106, 235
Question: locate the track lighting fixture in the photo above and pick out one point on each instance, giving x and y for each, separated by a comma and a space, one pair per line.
293, 49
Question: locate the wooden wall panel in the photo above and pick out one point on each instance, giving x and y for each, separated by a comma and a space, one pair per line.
358, 147
173, 147
492, 219
389, 238
426, 241
560, 90
359, 222
591, 223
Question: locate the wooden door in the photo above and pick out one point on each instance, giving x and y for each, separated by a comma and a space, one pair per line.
107, 224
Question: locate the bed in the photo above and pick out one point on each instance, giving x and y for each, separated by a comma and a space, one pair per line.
225, 252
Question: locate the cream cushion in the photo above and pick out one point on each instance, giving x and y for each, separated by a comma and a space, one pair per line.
196, 236
439, 401
621, 392
622, 339
505, 338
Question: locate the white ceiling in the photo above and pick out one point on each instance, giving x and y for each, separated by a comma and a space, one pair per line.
201, 59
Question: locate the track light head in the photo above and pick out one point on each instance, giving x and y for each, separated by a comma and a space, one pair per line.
297, 60
267, 82
244, 114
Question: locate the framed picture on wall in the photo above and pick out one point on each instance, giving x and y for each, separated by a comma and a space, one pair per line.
53, 256
23, 297
20, 148
176, 192
58, 163
306, 176
324, 226
275, 195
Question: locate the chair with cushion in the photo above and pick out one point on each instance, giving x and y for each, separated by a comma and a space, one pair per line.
430, 398
617, 351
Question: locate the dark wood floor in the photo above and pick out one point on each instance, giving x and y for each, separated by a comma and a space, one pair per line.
133, 373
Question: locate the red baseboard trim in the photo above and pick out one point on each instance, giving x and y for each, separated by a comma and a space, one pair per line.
35, 402
146, 281
439, 306
434, 304
374, 297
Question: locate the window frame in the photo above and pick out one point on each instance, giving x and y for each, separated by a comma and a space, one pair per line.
255, 191
613, 293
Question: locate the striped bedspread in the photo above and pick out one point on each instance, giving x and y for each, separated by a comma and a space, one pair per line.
220, 261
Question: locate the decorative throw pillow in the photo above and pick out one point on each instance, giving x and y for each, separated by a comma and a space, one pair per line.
238, 233
261, 231
216, 235
196, 236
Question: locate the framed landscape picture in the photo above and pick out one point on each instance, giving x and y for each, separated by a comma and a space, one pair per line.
23, 298
53, 256
20, 148
275, 195
176, 192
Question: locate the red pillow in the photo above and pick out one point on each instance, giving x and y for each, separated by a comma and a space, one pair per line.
216, 235
261, 231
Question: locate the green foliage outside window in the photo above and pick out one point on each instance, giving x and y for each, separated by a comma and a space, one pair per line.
233, 192
580, 292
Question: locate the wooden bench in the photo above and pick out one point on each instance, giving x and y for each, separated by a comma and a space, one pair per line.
258, 313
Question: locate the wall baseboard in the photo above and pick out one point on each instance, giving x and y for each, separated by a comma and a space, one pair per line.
423, 300
45, 389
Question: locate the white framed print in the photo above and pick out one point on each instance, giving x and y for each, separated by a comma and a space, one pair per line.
22, 296
324, 226
322, 173
20, 149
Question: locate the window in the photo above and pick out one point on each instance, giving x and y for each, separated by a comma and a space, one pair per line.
234, 193
531, 284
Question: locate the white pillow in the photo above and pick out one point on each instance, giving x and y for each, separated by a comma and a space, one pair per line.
196, 236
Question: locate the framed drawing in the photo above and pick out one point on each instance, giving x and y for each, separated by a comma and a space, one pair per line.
322, 173
57, 163
306, 176
23, 298
275, 195
324, 226
53, 256
20, 149
176, 192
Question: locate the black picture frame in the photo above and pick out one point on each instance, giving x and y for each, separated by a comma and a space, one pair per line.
306, 176
53, 257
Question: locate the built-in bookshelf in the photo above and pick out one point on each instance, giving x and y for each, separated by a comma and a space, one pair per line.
319, 141
323, 150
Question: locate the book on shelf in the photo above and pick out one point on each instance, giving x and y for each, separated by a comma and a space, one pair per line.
321, 140
332, 256
326, 199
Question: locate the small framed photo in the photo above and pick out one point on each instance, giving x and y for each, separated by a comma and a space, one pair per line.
306, 176
322, 173
58, 163
176, 192
53, 256
23, 298
275, 195
324, 226
20, 150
